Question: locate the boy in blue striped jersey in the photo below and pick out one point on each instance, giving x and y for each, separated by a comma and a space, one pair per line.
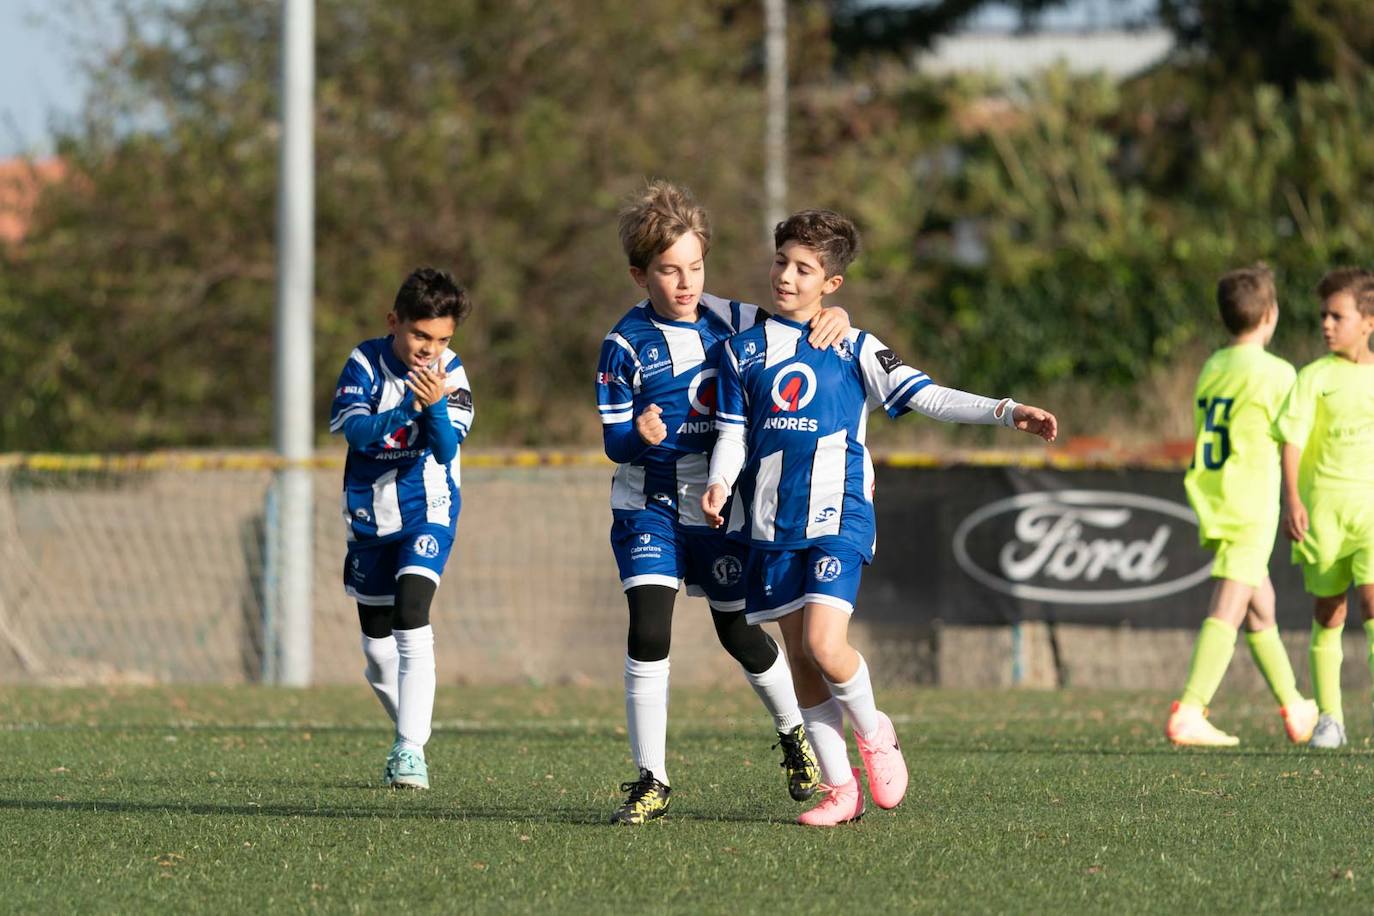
792, 416
404, 405
655, 385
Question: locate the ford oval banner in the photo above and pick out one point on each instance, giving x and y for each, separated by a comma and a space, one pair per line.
988, 545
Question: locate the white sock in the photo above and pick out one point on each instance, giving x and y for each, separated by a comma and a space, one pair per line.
825, 729
856, 696
774, 687
415, 707
646, 714
381, 671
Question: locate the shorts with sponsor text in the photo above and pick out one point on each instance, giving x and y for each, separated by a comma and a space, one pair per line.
783, 581
372, 568
651, 548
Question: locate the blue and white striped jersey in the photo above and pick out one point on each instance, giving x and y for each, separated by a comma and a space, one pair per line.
393, 481
648, 360
803, 412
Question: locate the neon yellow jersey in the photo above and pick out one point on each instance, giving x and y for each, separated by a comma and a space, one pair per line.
1330, 415
1233, 482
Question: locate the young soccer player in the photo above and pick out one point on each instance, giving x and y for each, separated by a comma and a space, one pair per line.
1327, 429
404, 405
656, 387
792, 416
1233, 486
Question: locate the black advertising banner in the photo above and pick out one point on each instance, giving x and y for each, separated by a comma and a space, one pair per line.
994, 545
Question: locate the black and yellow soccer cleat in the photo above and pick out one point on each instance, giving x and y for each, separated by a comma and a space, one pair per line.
803, 776
647, 800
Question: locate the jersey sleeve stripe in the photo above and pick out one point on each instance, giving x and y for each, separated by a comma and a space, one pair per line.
357, 357
356, 410
616, 407
610, 419
907, 389
736, 418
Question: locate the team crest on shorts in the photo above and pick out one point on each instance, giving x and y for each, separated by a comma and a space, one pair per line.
645, 538
426, 546
726, 570
828, 569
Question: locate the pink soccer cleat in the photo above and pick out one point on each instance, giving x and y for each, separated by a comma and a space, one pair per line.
1299, 720
840, 805
883, 760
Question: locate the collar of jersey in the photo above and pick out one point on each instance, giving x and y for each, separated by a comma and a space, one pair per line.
392, 362
656, 318
799, 325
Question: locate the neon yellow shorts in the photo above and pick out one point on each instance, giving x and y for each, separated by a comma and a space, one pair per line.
1246, 562
1338, 549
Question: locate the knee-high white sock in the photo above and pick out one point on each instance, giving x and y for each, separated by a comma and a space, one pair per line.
646, 714
825, 729
774, 687
415, 706
856, 696
381, 671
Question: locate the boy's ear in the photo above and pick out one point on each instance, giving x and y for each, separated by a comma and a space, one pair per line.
392, 322
640, 277
832, 283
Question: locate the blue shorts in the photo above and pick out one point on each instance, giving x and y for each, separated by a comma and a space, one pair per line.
372, 568
652, 549
783, 581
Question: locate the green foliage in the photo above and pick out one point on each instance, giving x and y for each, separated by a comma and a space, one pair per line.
1060, 231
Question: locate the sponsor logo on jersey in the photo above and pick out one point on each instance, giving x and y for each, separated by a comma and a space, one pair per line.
461, 398
793, 387
845, 350
646, 538
828, 569
727, 570
750, 348
439, 502
651, 354
1079, 547
426, 545
667, 500
702, 394
399, 438
825, 515
348, 389
361, 514
889, 360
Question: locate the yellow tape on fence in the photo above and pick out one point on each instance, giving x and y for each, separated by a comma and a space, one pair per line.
1056, 459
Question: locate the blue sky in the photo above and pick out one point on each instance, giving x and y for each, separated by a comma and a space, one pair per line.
39, 79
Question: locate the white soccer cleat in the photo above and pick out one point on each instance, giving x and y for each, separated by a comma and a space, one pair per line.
1188, 727
1328, 735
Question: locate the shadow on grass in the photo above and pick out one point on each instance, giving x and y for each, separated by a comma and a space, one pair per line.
506, 814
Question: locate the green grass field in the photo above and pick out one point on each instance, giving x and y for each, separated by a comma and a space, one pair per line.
251, 799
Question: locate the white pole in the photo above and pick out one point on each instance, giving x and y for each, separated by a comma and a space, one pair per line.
775, 140
294, 363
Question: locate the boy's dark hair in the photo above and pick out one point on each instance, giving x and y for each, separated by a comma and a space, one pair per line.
1341, 280
1244, 296
430, 293
832, 236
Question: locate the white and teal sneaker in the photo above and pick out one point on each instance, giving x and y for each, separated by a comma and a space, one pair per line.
1328, 735
405, 769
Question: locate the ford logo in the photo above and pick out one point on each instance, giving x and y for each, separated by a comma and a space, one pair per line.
1081, 547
